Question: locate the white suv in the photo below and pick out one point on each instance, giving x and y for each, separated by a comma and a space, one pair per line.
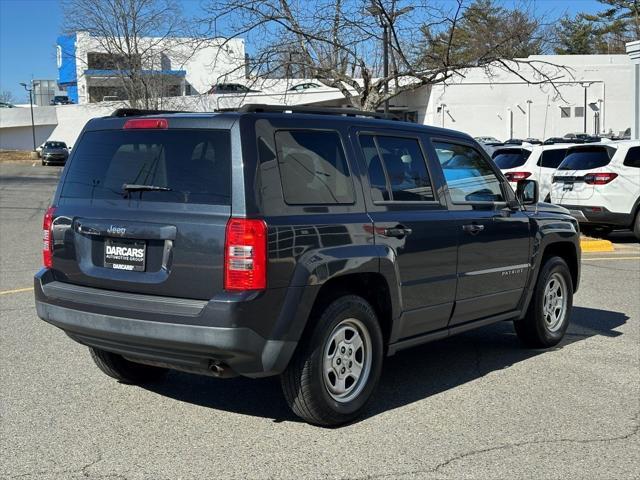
533, 162
600, 185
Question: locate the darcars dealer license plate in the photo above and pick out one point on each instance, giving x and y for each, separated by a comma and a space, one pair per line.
125, 254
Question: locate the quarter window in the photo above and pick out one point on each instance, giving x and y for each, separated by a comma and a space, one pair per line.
313, 167
396, 168
633, 158
552, 158
468, 174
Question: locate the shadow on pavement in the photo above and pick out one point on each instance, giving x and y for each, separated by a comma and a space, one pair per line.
407, 377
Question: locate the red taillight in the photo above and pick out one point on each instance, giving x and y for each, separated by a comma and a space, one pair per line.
146, 123
517, 176
599, 178
245, 255
47, 237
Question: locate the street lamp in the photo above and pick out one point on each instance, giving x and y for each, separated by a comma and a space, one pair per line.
386, 18
585, 85
529, 102
33, 126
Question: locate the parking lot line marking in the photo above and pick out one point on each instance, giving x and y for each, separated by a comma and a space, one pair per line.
585, 258
17, 290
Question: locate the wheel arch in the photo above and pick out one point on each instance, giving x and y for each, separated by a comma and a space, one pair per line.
372, 286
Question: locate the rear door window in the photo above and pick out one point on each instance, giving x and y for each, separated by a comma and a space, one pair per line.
585, 159
313, 167
552, 158
191, 166
510, 158
396, 168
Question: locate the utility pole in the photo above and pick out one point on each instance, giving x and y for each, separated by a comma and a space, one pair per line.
385, 49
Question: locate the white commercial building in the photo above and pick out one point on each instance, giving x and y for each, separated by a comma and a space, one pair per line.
185, 66
498, 104
589, 90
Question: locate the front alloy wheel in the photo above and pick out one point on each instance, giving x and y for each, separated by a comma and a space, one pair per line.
554, 306
547, 317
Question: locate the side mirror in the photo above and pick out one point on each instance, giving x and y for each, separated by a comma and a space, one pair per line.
528, 192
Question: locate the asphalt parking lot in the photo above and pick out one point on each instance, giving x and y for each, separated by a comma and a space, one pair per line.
474, 406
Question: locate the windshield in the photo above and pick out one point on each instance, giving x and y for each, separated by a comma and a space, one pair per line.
511, 158
55, 145
585, 159
190, 166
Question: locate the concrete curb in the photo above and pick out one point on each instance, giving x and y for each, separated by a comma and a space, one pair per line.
589, 245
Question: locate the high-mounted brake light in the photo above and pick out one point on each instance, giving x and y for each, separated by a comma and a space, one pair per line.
599, 178
47, 238
517, 176
245, 254
147, 123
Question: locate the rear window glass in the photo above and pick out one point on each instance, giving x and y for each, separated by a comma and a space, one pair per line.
552, 158
511, 158
194, 165
585, 159
313, 167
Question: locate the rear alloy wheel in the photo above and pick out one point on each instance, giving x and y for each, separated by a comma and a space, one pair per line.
547, 318
347, 360
336, 367
125, 371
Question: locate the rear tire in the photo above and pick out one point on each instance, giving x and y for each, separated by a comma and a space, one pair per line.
336, 368
547, 317
125, 371
636, 226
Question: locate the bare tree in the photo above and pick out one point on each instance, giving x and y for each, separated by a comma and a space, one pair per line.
339, 42
6, 97
134, 40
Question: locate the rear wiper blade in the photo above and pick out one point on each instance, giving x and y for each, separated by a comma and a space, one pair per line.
135, 187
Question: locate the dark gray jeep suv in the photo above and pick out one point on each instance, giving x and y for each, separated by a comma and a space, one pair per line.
308, 244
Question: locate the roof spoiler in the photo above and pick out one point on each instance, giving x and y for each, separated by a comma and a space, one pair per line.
136, 112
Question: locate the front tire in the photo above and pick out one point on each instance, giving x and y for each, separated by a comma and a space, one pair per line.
547, 318
596, 232
335, 370
125, 371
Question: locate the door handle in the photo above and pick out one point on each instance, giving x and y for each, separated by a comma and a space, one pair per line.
473, 228
397, 232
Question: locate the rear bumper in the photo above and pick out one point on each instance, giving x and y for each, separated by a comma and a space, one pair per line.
182, 344
595, 215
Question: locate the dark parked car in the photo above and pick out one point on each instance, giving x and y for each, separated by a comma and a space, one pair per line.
308, 244
54, 153
223, 88
301, 87
61, 100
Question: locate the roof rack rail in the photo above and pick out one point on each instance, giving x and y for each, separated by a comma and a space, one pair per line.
346, 111
136, 112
